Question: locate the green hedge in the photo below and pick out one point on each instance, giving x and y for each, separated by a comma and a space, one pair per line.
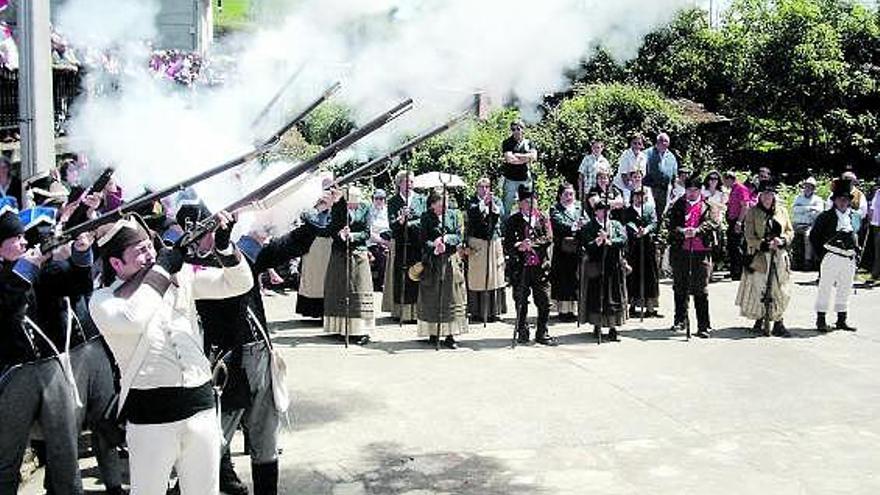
610, 112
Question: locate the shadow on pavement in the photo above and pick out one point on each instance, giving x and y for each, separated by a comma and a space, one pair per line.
392, 471
295, 324
310, 411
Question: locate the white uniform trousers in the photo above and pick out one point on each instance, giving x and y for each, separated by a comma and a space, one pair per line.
192, 445
836, 271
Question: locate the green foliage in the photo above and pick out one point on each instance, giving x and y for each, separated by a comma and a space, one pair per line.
474, 151
327, 123
797, 76
611, 113
234, 16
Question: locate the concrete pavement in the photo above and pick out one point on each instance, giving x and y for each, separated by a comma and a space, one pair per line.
651, 414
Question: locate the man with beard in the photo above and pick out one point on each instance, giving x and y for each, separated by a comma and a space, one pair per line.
147, 315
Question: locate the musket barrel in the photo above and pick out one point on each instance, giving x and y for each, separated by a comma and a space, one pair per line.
114, 215
325, 154
364, 169
276, 97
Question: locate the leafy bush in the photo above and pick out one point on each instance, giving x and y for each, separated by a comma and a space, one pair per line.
327, 123
474, 151
611, 113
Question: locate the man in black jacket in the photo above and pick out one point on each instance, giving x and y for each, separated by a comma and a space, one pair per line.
835, 242
236, 331
36, 383
692, 235
527, 236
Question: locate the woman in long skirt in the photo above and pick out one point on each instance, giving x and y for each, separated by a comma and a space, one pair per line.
603, 298
313, 265
348, 297
404, 215
442, 299
485, 267
643, 283
768, 232
565, 217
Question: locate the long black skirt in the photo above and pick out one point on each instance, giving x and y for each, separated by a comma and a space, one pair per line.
564, 275
604, 299
644, 264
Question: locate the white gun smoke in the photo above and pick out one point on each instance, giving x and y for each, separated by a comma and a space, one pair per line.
439, 52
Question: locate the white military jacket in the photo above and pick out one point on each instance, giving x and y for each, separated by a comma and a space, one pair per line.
173, 354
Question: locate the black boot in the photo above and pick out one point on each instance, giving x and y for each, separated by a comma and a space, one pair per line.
450, 343
612, 335
522, 326
229, 482
759, 324
542, 336
841, 323
779, 330
821, 325
265, 478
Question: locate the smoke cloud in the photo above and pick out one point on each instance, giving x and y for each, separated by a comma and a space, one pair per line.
439, 52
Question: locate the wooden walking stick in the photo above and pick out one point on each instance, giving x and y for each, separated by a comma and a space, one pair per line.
489, 255
642, 301
442, 264
347, 267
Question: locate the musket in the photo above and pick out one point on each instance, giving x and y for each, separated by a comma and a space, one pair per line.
135, 205
412, 143
276, 136
603, 281
265, 111
767, 297
490, 253
347, 269
642, 261
80, 214
148, 199
442, 266
209, 225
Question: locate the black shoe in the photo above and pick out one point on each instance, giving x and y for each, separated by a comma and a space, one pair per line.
841, 323
612, 335
362, 340
450, 343
229, 482
653, 314
821, 325
567, 317
758, 326
779, 330
679, 326
703, 333
545, 339
522, 337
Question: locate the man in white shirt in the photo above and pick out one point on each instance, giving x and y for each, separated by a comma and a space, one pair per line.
633, 158
380, 238
588, 167
148, 317
804, 210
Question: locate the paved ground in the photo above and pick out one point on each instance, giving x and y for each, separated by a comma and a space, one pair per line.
651, 414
